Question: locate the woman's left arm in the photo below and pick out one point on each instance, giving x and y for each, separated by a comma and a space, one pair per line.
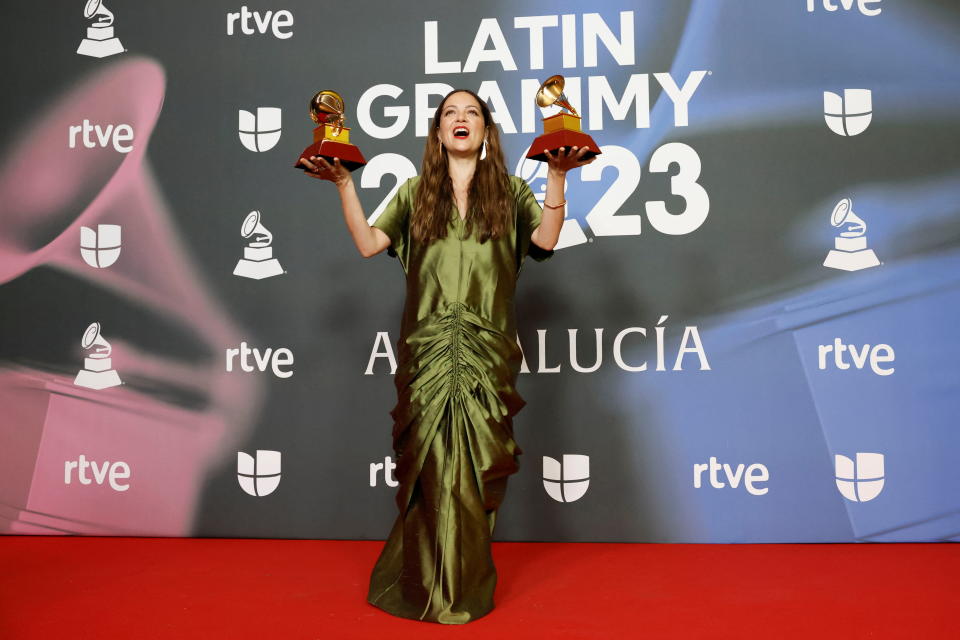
548, 233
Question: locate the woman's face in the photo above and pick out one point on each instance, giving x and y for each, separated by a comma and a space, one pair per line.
462, 128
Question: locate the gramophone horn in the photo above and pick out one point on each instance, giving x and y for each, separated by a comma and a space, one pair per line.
90, 335
551, 92
253, 226
42, 217
840, 212
843, 215
250, 224
93, 338
96, 8
90, 9
186, 401
325, 103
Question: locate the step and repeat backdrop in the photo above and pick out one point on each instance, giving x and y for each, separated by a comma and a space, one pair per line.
747, 333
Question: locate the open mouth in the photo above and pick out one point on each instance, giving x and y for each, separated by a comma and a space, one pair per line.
461, 132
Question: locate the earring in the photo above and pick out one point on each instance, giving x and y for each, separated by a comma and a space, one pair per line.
483, 149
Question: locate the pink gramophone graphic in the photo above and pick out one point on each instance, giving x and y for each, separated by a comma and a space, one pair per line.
50, 419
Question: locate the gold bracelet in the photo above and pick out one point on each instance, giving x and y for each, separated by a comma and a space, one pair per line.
554, 206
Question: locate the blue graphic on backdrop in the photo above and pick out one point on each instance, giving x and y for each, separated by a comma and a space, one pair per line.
888, 382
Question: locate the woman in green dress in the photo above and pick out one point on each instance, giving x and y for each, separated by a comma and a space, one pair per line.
461, 231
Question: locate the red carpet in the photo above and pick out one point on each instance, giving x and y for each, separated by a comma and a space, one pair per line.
145, 588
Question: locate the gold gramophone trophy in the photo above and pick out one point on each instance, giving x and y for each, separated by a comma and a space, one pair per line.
562, 129
331, 139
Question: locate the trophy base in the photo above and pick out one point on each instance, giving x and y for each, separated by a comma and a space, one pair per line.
851, 261
100, 48
562, 138
350, 156
97, 379
258, 270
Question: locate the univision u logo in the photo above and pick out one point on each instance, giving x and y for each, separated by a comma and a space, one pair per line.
260, 131
849, 114
860, 481
100, 248
259, 476
567, 481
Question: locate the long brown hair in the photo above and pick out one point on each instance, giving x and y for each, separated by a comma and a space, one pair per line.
490, 210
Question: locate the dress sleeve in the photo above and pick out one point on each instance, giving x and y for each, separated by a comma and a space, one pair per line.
529, 214
395, 222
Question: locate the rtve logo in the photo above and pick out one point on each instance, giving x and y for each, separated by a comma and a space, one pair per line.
753, 474
877, 354
260, 132
567, 481
111, 472
100, 248
846, 5
388, 465
268, 358
862, 480
252, 22
258, 476
94, 135
850, 114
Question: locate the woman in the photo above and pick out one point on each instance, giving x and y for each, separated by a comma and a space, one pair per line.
461, 231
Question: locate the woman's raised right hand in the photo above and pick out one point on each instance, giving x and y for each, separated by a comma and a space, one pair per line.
318, 167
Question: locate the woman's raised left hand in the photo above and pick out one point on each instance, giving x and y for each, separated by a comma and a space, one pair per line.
567, 159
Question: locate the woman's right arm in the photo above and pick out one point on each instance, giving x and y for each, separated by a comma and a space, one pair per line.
369, 240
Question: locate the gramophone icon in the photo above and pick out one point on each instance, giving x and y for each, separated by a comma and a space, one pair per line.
850, 251
97, 372
100, 41
258, 261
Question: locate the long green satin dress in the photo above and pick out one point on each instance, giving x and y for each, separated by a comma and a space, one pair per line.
457, 365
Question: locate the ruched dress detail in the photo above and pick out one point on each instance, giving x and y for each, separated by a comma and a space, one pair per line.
457, 365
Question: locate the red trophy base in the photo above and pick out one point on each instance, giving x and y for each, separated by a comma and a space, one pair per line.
562, 130
330, 146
